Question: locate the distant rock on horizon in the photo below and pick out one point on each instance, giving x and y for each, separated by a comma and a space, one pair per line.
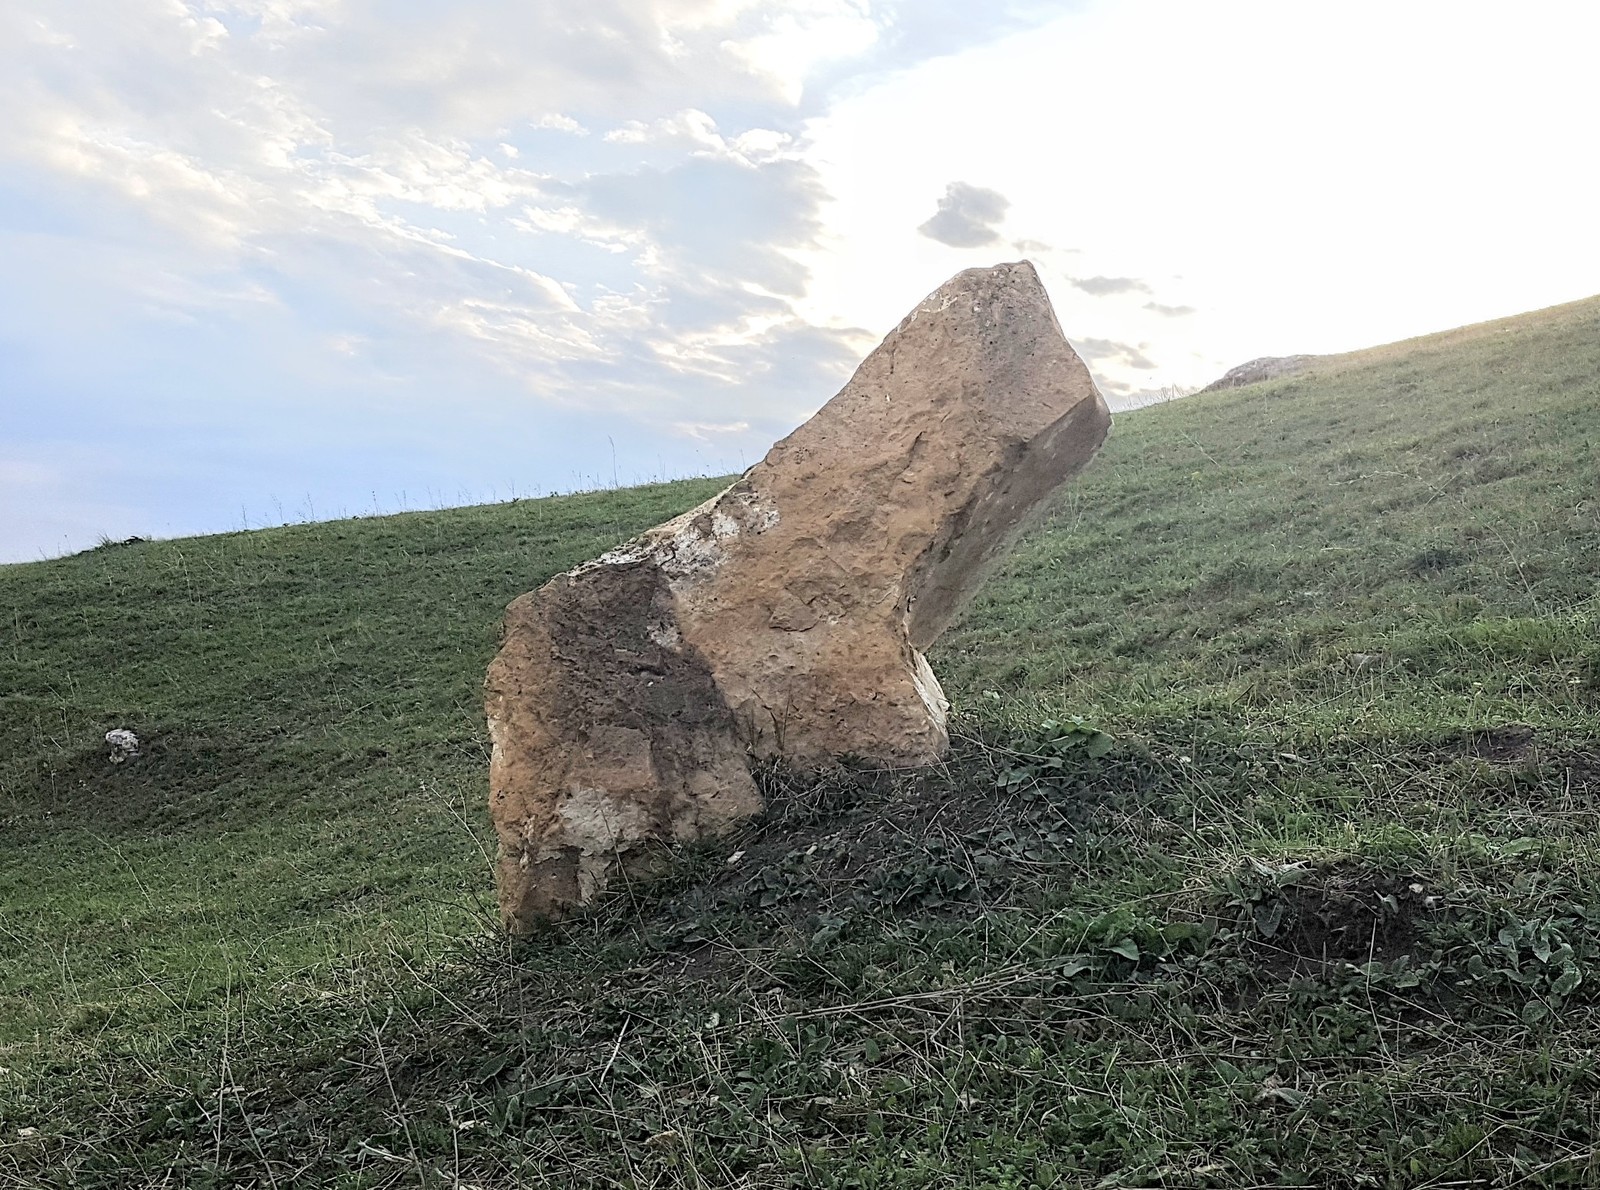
1268, 367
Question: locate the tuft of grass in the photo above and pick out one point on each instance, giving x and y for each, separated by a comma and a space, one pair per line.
1265, 855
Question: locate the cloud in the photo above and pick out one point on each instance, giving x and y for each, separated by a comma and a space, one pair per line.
915, 31
463, 66
1031, 247
280, 175
1169, 311
967, 216
796, 41
705, 430
559, 123
694, 131
1104, 351
717, 223
1105, 286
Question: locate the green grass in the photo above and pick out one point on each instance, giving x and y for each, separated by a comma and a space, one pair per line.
1326, 913
312, 800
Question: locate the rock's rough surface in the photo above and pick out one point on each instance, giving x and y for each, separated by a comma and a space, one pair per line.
124, 745
1268, 367
787, 615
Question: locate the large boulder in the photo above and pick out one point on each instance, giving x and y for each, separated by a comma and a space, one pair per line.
788, 615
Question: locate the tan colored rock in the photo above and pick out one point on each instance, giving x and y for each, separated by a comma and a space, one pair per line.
787, 615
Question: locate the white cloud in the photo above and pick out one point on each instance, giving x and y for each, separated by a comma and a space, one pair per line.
968, 216
560, 123
696, 133
254, 152
41, 33
704, 431
800, 37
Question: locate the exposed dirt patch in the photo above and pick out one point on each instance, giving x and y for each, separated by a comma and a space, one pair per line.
942, 842
1326, 917
1513, 743
168, 784
1581, 772
936, 841
1354, 920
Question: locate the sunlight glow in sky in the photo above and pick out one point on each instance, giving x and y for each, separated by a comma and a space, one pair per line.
267, 260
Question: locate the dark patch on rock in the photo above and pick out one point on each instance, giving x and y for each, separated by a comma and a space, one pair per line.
644, 753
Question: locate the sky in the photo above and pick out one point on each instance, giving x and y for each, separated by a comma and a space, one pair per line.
265, 261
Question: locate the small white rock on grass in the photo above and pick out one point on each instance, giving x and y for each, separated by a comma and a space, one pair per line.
124, 744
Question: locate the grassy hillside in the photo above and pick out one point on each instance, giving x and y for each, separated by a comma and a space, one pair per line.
313, 797
1324, 914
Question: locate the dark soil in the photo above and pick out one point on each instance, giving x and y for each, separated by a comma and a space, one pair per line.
168, 784
1513, 743
1346, 915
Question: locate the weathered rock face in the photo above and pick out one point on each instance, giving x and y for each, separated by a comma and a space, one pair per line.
1268, 367
786, 616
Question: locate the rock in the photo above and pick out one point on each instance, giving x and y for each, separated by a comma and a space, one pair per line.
1268, 367
123, 743
785, 617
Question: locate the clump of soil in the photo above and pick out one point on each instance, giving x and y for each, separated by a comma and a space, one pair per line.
1582, 772
173, 778
938, 842
1512, 743
1303, 920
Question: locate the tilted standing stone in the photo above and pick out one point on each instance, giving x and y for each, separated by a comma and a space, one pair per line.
786, 616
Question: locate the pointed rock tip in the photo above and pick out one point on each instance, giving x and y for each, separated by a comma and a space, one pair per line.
985, 278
